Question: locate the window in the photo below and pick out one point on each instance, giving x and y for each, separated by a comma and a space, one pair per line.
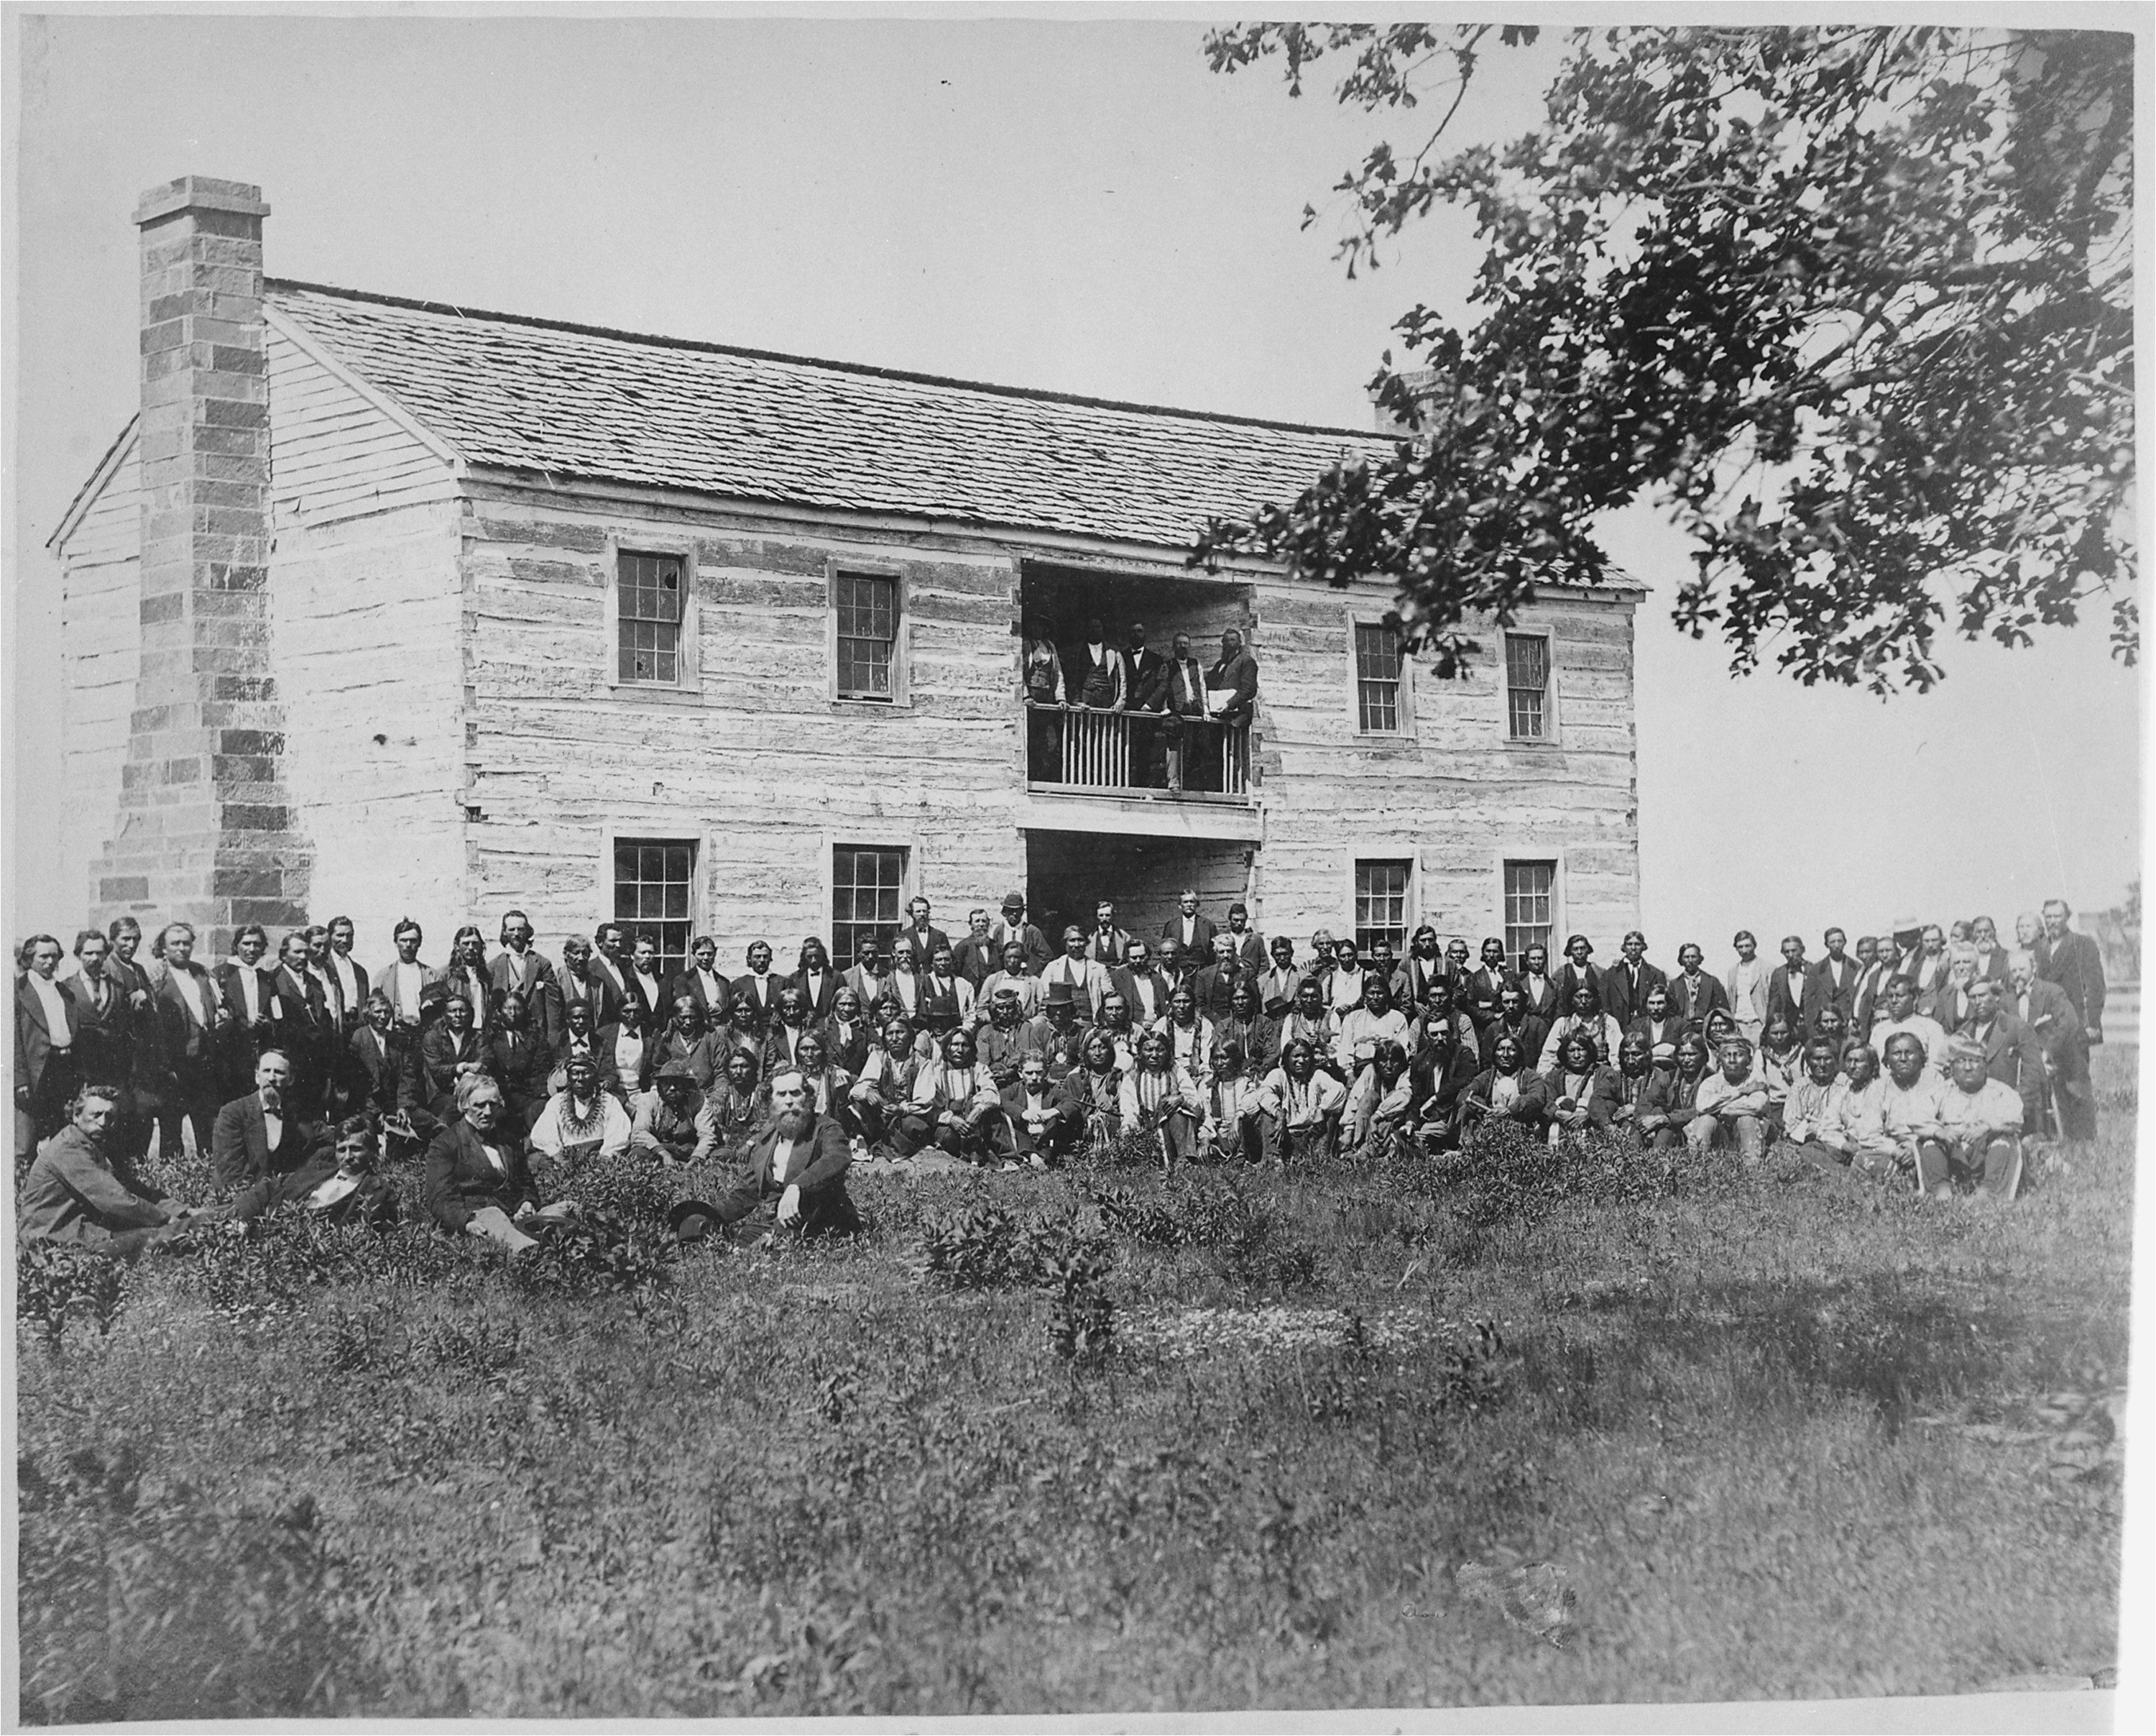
868, 887
1381, 904
1530, 895
1527, 685
651, 619
653, 881
1377, 679
867, 608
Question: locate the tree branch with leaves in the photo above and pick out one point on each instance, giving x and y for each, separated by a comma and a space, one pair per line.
1855, 306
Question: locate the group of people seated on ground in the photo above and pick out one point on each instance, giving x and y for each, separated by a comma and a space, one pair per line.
1198, 705
1917, 1055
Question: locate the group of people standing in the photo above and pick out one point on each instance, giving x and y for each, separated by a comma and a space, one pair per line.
1206, 1041
1197, 706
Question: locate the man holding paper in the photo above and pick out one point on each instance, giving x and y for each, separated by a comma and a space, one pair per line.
1198, 698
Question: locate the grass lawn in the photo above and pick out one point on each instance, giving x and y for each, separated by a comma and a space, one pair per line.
1227, 1440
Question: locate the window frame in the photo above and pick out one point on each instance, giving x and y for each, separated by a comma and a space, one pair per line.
687, 688
1404, 727
900, 696
1525, 854
1548, 736
614, 836
1410, 859
909, 857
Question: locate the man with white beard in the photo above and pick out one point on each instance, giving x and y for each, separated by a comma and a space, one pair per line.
796, 1170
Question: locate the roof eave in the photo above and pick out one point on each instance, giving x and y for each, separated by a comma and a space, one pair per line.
115, 455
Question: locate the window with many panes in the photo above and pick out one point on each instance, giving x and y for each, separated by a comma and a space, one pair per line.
653, 886
1381, 904
868, 891
1376, 679
650, 619
1530, 898
867, 606
1527, 685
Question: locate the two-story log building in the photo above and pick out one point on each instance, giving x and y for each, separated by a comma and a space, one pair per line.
382, 607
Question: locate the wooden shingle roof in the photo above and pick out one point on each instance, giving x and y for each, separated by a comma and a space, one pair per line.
567, 401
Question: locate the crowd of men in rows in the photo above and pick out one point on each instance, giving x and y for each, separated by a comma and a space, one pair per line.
1920, 1055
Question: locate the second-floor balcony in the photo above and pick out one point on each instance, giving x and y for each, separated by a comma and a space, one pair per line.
1078, 750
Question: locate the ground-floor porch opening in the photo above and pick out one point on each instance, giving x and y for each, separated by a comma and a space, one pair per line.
1068, 873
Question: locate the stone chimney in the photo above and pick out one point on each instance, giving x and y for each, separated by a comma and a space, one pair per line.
205, 828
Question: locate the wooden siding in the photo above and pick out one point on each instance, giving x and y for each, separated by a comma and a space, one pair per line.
365, 621
335, 453
1452, 793
761, 767
100, 642
765, 772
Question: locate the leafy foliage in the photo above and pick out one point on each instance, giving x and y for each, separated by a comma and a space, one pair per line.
57, 1282
1855, 303
983, 1247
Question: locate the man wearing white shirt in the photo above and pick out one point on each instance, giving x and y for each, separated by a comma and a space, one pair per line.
1980, 1120
351, 977
44, 1050
1902, 1017
611, 940
405, 980
1746, 983
1089, 981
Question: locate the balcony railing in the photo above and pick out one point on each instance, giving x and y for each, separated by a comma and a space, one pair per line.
1150, 753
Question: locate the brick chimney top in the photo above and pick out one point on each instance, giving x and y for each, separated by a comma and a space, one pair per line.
199, 193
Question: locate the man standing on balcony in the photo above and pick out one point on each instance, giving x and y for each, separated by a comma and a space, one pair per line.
1185, 729
1093, 673
1234, 682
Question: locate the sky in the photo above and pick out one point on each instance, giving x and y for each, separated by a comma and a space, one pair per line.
1074, 205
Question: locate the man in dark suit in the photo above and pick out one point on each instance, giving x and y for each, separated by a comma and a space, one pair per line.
2075, 962
1831, 983
1108, 944
190, 1019
977, 958
45, 1030
1485, 984
518, 969
1189, 930
1144, 989
818, 983
247, 991
261, 1133
611, 960
347, 973
1013, 926
796, 1170
1249, 944
582, 982
1627, 983
520, 1058
1188, 735
2012, 1054
1233, 680
479, 1176
1214, 985
105, 1020
1536, 986
1144, 670
699, 980
1412, 977
1787, 983
1576, 970
449, 1048
920, 936
304, 1030
2044, 1008
1695, 991
381, 1068
1515, 1020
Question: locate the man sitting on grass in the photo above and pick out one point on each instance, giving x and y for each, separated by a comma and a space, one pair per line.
956, 1108
1811, 1109
668, 1121
479, 1183
1909, 1115
1507, 1090
1732, 1105
1302, 1107
79, 1191
796, 1171
1980, 1122
1042, 1130
1620, 1092
581, 1120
